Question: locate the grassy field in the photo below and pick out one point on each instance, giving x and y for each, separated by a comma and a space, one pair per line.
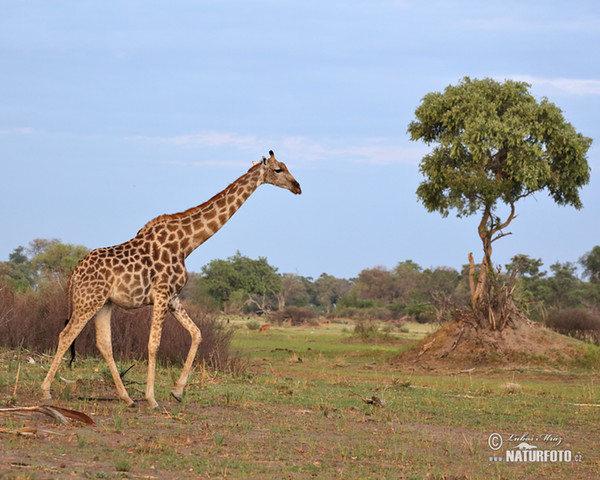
316, 402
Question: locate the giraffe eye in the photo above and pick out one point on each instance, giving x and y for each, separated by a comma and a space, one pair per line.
278, 170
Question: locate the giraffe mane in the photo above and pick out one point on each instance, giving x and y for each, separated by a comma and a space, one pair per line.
175, 216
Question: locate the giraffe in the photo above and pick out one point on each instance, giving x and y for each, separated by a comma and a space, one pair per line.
150, 269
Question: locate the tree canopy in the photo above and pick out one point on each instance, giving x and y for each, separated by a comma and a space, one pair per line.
591, 264
495, 142
242, 277
43, 259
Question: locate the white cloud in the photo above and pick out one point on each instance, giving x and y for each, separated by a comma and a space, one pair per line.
206, 139
18, 131
371, 151
571, 86
376, 151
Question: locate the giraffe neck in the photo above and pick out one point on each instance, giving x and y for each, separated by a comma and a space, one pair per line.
198, 224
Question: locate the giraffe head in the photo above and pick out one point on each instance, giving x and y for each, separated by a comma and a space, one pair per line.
276, 173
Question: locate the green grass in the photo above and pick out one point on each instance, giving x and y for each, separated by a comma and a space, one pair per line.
300, 413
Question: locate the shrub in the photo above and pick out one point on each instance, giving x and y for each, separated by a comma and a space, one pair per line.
382, 313
253, 324
295, 316
366, 329
34, 320
576, 323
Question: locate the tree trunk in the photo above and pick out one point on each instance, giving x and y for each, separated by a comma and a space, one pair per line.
492, 300
280, 301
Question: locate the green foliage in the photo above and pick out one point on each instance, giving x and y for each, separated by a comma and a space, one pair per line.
58, 259
420, 311
253, 324
18, 272
18, 256
495, 142
328, 290
48, 260
525, 266
564, 286
591, 264
351, 300
295, 290
196, 292
240, 278
366, 329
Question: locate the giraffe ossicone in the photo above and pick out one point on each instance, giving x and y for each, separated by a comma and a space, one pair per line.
150, 269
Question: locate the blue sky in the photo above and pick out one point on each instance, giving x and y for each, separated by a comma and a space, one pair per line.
113, 113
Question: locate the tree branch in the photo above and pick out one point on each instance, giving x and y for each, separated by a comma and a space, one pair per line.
502, 226
500, 235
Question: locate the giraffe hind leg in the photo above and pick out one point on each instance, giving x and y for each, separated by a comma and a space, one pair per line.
104, 344
78, 320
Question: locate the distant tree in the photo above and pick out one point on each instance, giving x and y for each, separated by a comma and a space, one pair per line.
377, 284
242, 280
47, 260
39, 245
295, 291
58, 260
328, 290
525, 266
18, 256
495, 145
18, 272
196, 292
563, 288
439, 281
591, 264
531, 286
407, 276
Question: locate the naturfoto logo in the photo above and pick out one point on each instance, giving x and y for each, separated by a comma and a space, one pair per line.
527, 450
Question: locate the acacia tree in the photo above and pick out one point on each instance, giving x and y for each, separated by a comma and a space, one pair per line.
495, 144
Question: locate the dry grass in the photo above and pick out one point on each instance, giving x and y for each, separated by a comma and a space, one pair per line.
34, 319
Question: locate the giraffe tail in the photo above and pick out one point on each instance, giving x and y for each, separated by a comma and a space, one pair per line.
69, 313
72, 348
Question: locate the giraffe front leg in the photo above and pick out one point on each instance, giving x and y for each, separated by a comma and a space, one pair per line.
158, 316
184, 319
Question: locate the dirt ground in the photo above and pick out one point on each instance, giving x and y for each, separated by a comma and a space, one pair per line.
246, 439
465, 343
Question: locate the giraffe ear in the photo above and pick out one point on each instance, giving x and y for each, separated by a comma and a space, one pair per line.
255, 162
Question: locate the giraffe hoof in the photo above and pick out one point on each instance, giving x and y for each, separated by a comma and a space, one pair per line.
133, 405
177, 397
